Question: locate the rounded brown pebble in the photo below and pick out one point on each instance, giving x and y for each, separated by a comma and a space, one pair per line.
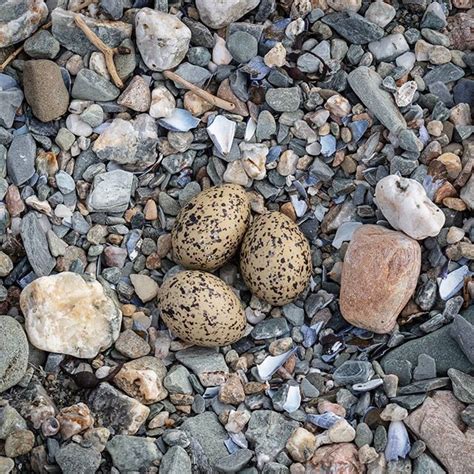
275, 259
201, 309
379, 275
18, 443
210, 227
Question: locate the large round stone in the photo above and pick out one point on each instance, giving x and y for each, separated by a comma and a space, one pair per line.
64, 313
380, 272
162, 39
220, 13
13, 352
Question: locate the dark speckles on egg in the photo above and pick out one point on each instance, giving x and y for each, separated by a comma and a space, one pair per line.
275, 259
201, 309
209, 228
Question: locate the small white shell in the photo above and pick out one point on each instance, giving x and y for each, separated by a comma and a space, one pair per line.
222, 132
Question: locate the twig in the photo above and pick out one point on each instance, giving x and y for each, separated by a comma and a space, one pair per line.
103, 48
212, 99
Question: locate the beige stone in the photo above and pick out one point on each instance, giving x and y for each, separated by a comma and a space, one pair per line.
74, 420
66, 314
301, 445
438, 419
142, 379
145, 287
380, 273
340, 458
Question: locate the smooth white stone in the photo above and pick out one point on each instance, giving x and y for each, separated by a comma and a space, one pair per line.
405, 205
68, 315
162, 39
219, 13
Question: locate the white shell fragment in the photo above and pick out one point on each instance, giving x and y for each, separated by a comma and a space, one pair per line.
344, 233
450, 285
293, 399
271, 364
222, 132
250, 129
179, 120
405, 205
398, 445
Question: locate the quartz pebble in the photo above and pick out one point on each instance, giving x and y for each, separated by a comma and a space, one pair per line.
49, 317
404, 203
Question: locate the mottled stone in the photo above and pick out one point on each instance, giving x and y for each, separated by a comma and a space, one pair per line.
439, 419
19, 19
13, 357
219, 13
116, 411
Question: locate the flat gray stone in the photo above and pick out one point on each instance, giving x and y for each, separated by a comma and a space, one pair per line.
463, 385
36, 245
10, 419
202, 361
352, 372
42, 45
268, 432
366, 84
74, 459
439, 345
445, 73
13, 355
176, 460
70, 36
132, 453
284, 99
234, 462
21, 158
353, 27
10, 100
111, 191
207, 435
462, 331
92, 86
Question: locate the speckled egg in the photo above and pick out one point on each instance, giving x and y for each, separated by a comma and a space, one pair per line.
275, 259
210, 227
201, 309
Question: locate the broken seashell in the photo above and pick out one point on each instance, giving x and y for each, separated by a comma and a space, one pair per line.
220, 54
222, 132
272, 363
398, 445
326, 420
405, 205
250, 129
293, 398
453, 282
344, 233
180, 120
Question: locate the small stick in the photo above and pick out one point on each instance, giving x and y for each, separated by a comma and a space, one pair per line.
103, 48
212, 99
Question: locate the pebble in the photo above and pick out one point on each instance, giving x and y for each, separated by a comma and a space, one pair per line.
353, 27
373, 252
111, 191
162, 39
132, 453
380, 13
242, 46
21, 158
13, 353
217, 15
48, 319
136, 96
21, 20
89, 85
398, 198
283, 99
74, 459
42, 45
176, 459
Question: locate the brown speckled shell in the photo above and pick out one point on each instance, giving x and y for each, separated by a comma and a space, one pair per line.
275, 259
210, 227
201, 309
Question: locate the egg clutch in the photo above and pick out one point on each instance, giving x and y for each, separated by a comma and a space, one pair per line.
275, 264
